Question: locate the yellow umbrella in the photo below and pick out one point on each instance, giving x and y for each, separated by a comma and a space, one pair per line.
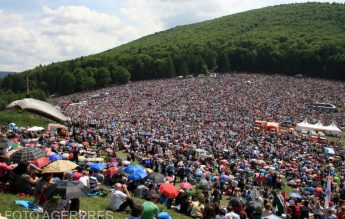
261, 162
109, 150
59, 166
8, 154
149, 170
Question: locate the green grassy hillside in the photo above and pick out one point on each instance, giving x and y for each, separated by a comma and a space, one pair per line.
306, 38
22, 118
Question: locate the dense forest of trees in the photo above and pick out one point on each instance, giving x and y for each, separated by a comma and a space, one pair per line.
307, 38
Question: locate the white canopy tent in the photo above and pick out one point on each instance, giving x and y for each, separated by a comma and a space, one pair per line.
331, 129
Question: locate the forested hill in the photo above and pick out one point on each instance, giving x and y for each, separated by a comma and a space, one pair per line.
307, 38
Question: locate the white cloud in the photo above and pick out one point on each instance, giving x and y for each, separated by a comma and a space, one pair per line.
58, 32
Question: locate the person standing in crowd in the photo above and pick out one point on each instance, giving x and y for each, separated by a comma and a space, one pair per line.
76, 155
279, 203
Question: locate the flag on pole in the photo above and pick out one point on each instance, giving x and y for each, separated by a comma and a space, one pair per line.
328, 192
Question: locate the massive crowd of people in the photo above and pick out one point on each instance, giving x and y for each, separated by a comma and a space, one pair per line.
201, 132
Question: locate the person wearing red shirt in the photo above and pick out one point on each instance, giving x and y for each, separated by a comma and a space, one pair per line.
4, 169
76, 176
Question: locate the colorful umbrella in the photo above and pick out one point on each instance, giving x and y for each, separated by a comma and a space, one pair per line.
55, 157
157, 178
41, 162
149, 170
130, 169
59, 166
336, 179
111, 170
97, 166
295, 195
318, 189
204, 183
8, 154
68, 190
145, 133
16, 146
186, 185
136, 176
27, 154
5, 143
168, 190
109, 150
169, 178
272, 216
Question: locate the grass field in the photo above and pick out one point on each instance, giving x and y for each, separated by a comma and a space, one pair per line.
22, 118
89, 205
92, 205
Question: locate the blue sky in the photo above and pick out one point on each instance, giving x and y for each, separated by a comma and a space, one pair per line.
44, 31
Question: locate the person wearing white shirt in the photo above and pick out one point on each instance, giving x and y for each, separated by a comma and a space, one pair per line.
231, 214
85, 179
120, 198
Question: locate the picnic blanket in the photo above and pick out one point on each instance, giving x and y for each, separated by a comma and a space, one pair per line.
28, 205
94, 194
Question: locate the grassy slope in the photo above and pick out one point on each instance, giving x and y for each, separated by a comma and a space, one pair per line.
87, 204
22, 118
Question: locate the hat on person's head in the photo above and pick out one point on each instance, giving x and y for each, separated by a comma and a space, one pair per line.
164, 215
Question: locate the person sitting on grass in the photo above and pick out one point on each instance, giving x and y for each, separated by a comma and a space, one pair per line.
85, 179
40, 188
92, 181
53, 209
120, 198
151, 210
5, 170
136, 212
21, 181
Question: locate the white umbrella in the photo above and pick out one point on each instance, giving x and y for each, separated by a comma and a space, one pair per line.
35, 129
